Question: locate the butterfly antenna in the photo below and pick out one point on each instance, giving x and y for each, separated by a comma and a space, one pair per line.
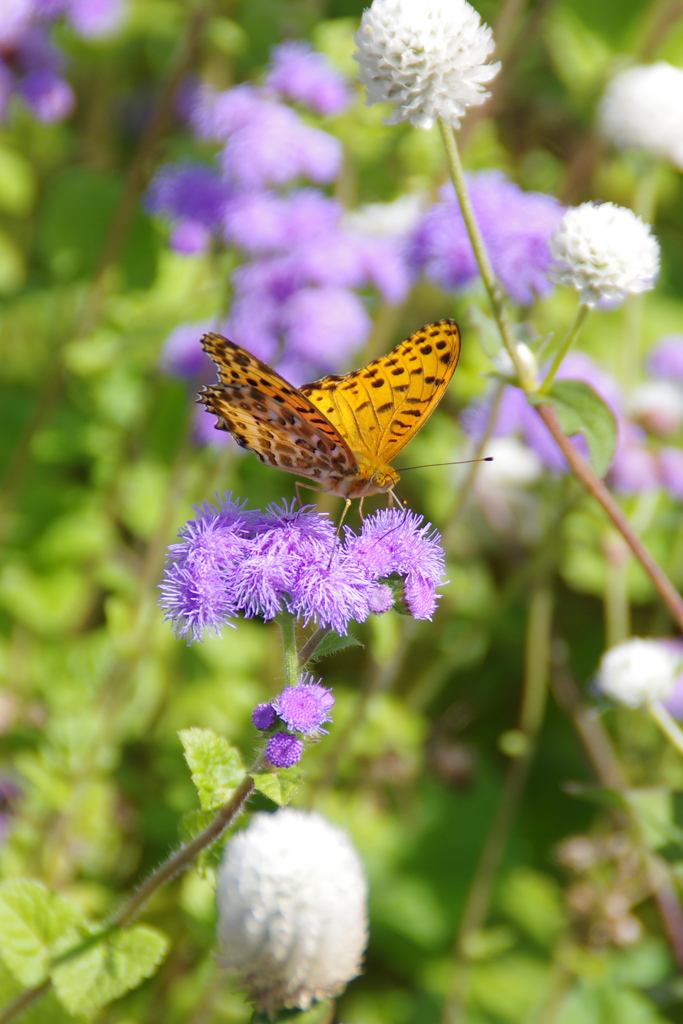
430, 465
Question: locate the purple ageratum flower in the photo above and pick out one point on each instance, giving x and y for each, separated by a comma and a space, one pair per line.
278, 149
305, 707
265, 222
17, 16
263, 716
192, 195
634, 468
516, 416
516, 227
196, 590
303, 76
395, 541
666, 358
671, 471
94, 19
182, 355
230, 560
322, 325
284, 750
216, 115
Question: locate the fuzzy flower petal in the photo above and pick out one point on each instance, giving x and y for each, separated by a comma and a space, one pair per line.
427, 58
638, 672
306, 77
305, 707
292, 916
605, 252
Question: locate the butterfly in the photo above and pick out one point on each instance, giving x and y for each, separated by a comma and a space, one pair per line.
342, 431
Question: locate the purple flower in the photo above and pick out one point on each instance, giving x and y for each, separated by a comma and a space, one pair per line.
265, 222
634, 468
305, 707
322, 325
263, 716
182, 354
49, 96
284, 750
516, 227
192, 195
17, 15
515, 415
278, 149
301, 75
260, 563
666, 358
93, 19
394, 542
671, 471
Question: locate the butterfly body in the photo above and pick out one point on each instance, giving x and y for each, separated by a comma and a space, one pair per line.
340, 432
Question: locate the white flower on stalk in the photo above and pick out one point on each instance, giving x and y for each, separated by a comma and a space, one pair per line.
605, 252
638, 672
427, 58
292, 917
643, 107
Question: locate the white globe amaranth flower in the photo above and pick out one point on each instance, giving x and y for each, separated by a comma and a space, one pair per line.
427, 58
605, 252
292, 918
638, 672
643, 107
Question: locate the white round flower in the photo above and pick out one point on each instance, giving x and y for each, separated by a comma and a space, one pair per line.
658, 406
638, 672
514, 465
292, 917
643, 107
427, 58
604, 252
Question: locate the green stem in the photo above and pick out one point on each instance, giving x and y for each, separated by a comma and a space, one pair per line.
668, 724
530, 720
479, 247
617, 607
581, 314
287, 624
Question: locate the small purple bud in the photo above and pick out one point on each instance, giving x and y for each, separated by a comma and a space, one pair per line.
283, 750
263, 716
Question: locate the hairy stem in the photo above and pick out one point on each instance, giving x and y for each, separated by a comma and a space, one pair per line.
287, 624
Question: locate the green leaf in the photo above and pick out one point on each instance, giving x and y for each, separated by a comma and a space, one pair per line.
216, 765
279, 786
331, 643
109, 969
580, 410
35, 926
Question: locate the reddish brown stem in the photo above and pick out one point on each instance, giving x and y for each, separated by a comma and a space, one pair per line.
594, 485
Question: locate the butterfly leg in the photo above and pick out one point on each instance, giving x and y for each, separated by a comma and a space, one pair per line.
360, 509
298, 484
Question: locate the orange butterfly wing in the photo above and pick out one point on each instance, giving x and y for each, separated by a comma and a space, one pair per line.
379, 408
272, 418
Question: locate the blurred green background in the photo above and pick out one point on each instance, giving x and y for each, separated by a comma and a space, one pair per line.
100, 470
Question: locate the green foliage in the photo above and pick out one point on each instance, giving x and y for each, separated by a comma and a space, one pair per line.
36, 925
279, 786
332, 643
580, 410
216, 765
116, 964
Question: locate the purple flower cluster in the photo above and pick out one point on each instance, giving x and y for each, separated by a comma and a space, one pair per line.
295, 295
230, 560
653, 413
31, 66
304, 709
515, 225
